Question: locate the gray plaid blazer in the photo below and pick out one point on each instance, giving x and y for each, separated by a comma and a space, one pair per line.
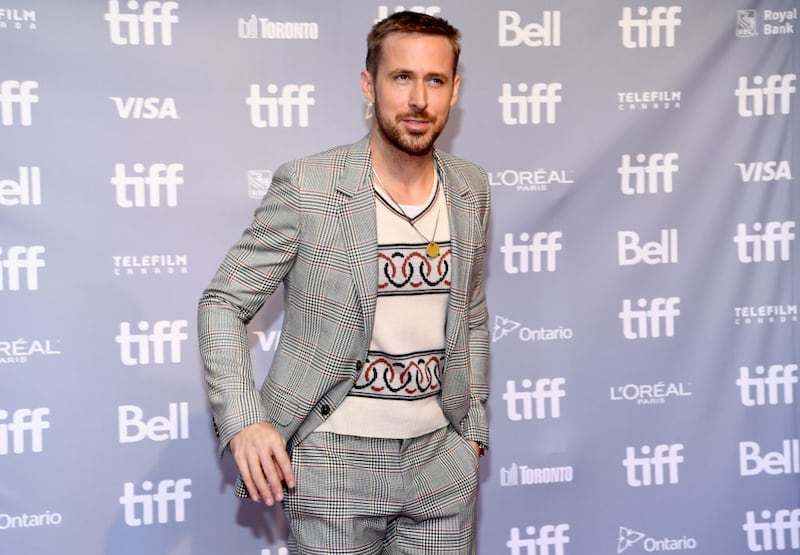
315, 232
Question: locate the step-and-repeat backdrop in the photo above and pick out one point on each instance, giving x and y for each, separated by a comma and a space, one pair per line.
643, 274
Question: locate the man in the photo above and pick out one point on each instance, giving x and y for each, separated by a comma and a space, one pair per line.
370, 422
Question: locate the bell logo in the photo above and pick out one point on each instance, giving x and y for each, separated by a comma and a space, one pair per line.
512, 33
26, 191
133, 427
153, 25
654, 252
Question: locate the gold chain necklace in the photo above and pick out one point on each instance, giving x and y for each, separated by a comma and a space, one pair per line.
432, 249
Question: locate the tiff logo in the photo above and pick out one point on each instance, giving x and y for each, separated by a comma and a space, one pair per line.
549, 535
647, 321
17, 94
760, 101
133, 427
644, 31
383, 11
512, 33
21, 264
528, 107
771, 533
532, 254
139, 190
138, 349
768, 386
649, 174
26, 427
26, 191
532, 401
769, 236
649, 470
280, 109
169, 493
141, 26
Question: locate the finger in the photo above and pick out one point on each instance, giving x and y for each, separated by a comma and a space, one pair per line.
274, 478
284, 466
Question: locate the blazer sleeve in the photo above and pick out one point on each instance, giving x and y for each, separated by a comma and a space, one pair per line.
251, 271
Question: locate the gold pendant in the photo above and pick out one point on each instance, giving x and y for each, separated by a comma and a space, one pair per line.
432, 250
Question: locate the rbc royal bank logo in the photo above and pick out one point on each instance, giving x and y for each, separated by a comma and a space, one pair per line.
149, 23
776, 22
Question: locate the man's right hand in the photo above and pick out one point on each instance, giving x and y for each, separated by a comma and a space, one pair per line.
260, 453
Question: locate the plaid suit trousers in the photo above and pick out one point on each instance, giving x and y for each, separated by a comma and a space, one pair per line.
376, 496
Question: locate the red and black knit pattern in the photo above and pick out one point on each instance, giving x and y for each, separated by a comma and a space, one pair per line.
413, 376
407, 270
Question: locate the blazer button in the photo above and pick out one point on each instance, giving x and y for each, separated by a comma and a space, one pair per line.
359, 364
324, 410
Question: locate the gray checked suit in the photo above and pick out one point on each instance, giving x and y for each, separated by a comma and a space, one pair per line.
315, 232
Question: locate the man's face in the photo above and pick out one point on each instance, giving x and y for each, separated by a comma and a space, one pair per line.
412, 90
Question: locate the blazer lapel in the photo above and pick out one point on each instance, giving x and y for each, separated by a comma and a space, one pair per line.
461, 214
359, 227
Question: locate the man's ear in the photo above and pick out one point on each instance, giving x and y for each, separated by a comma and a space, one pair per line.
367, 86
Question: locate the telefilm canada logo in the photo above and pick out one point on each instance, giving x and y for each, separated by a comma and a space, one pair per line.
765, 314
150, 264
629, 538
640, 101
16, 19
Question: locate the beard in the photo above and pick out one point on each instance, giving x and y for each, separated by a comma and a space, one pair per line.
409, 142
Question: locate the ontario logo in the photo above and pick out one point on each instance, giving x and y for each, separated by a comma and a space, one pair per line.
504, 326
630, 538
